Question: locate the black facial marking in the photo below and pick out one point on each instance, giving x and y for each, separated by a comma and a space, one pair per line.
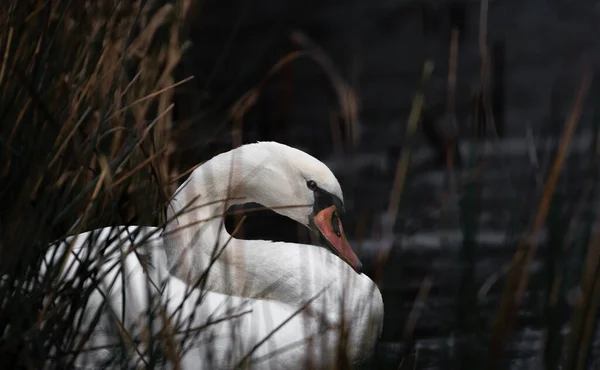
324, 199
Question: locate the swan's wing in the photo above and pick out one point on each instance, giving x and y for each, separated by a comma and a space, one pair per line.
298, 272
191, 327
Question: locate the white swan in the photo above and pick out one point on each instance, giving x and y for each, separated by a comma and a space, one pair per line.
269, 333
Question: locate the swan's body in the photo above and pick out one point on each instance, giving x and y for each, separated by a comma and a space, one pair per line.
245, 327
275, 279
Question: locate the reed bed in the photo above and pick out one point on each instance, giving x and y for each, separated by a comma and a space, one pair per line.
86, 98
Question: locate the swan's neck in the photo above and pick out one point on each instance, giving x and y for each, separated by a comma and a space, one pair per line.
196, 234
200, 241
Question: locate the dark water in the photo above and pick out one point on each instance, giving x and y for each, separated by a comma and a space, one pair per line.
538, 49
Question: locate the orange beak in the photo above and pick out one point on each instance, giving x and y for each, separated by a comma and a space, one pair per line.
330, 227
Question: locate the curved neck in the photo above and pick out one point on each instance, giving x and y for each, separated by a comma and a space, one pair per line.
196, 233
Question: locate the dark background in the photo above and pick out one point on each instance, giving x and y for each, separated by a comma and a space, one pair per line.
538, 51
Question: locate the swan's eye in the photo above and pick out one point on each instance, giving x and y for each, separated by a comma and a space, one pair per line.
335, 224
311, 185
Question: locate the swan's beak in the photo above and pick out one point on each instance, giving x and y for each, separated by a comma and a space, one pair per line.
331, 230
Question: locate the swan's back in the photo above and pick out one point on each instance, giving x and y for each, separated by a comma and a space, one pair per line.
229, 330
299, 273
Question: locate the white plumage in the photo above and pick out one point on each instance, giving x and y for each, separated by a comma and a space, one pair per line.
251, 305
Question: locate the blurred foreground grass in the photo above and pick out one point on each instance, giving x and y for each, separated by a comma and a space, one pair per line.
86, 98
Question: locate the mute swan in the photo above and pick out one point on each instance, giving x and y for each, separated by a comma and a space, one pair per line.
269, 282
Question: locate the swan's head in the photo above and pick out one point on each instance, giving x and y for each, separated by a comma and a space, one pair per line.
299, 186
